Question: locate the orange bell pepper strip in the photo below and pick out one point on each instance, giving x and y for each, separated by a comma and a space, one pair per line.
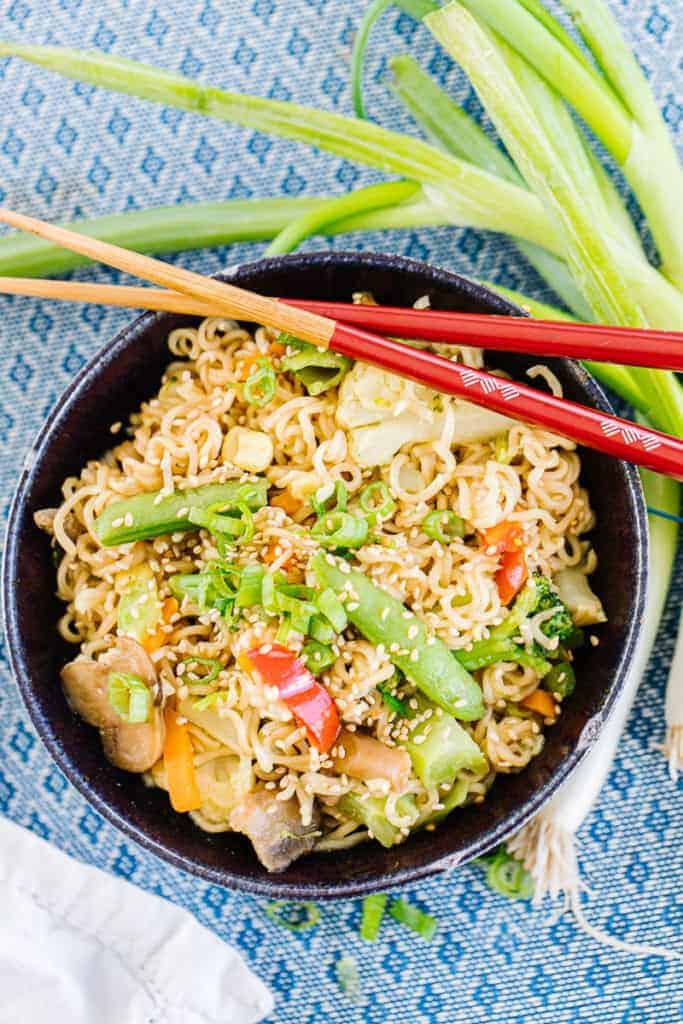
309, 701
286, 501
541, 702
512, 575
179, 764
153, 641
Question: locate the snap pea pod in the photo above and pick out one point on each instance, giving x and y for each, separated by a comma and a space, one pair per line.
144, 515
439, 748
422, 659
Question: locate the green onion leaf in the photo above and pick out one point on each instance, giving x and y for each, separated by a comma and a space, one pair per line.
129, 696
260, 386
373, 911
331, 607
375, 500
321, 630
340, 530
209, 701
296, 917
249, 589
336, 501
233, 521
443, 525
412, 917
508, 876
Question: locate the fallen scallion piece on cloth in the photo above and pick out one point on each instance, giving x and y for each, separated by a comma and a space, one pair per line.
295, 917
412, 917
507, 875
348, 977
372, 914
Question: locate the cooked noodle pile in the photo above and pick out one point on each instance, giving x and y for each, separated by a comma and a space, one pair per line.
525, 475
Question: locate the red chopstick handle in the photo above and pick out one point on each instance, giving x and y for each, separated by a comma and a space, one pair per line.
621, 438
628, 346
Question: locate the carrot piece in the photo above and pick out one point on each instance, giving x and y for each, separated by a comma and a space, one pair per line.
179, 764
541, 702
270, 554
512, 575
153, 641
286, 501
246, 364
277, 349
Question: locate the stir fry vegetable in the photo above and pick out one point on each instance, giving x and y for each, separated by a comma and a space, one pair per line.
373, 912
152, 514
309, 702
179, 765
440, 747
139, 609
130, 697
423, 659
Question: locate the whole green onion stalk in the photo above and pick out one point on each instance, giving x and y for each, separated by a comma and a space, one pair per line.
612, 96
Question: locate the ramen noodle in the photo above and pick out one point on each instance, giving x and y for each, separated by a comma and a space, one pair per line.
318, 603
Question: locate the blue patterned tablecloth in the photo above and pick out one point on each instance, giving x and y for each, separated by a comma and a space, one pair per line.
68, 150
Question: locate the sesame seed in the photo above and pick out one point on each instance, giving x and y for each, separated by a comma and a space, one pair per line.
414, 654
413, 632
117, 522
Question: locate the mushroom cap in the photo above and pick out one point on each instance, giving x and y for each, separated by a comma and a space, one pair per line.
135, 747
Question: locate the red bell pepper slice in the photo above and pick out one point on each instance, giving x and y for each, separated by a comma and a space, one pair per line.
307, 699
512, 575
503, 536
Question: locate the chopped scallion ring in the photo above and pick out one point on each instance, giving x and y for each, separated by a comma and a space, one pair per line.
340, 530
129, 696
260, 386
443, 525
376, 500
508, 876
296, 917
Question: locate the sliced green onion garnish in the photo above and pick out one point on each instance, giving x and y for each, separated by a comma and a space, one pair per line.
508, 876
317, 657
412, 917
318, 370
443, 525
212, 664
376, 500
297, 917
268, 593
233, 521
336, 501
249, 590
260, 386
283, 630
394, 703
129, 696
209, 701
373, 911
340, 530
321, 630
333, 610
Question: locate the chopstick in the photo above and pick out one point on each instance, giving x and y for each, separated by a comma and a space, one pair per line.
627, 346
606, 433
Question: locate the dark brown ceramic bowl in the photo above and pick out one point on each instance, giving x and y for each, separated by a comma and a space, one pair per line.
109, 389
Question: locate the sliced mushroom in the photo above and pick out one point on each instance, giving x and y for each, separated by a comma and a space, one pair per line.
135, 747
275, 828
366, 758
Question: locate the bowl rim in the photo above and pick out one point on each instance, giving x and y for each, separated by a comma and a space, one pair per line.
270, 885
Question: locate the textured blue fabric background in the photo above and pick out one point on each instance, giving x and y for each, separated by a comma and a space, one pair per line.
68, 150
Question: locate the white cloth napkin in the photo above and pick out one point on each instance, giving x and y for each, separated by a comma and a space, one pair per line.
78, 946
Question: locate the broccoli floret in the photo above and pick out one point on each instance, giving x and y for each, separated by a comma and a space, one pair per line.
560, 625
537, 596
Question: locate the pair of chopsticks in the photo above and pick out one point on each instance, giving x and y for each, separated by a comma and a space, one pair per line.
341, 327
